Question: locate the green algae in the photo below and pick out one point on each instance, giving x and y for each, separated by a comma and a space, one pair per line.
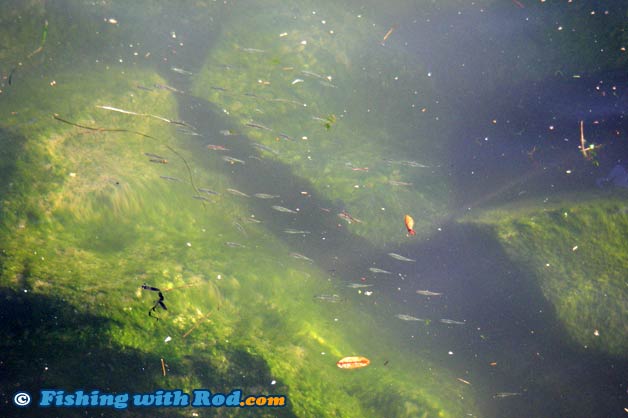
577, 253
289, 85
86, 219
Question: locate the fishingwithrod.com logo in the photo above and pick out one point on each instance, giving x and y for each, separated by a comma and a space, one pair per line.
199, 398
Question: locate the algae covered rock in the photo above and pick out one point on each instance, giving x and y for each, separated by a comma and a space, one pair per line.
577, 254
320, 92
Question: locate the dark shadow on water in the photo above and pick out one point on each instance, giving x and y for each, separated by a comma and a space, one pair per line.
507, 321
49, 344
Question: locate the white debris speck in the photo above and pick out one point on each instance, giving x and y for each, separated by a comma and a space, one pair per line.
282, 34
173, 35
368, 292
272, 382
451, 353
296, 80
189, 244
304, 42
72, 174
596, 333
219, 277
575, 247
168, 339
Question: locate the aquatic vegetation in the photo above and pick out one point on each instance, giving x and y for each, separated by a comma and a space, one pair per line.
298, 82
577, 252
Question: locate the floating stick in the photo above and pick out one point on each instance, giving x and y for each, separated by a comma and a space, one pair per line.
163, 367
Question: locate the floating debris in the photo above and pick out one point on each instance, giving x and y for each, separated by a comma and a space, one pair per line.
401, 258
353, 362
409, 224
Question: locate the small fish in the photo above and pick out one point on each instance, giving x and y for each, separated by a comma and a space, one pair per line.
218, 88
451, 322
466, 382
406, 163
232, 160
284, 136
427, 293
347, 217
253, 50
358, 285
377, 271
328, 298
227, 132
282, 209
258, 126
180, 71
311, 74
208, 191
409, 224
399, 183
405, 317
165, 87
170, 178
237, 193
155, 160
216, 147
295, 231
401, 258
263, 148
296, 81
301, 257
502, 395
265, 196
151, 155
206, 199
234, 244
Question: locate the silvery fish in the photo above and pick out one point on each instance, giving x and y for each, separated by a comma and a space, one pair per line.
265, 196
328, 298
405, 317
282, 209
427, 293
237, 193
358, 285
301, 257
232, 160
234, 244
401, 258
295, 231
376, 270
451, 322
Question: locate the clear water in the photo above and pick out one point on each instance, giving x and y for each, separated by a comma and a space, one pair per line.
338, 120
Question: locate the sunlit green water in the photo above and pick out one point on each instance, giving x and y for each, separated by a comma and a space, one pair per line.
88, 217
